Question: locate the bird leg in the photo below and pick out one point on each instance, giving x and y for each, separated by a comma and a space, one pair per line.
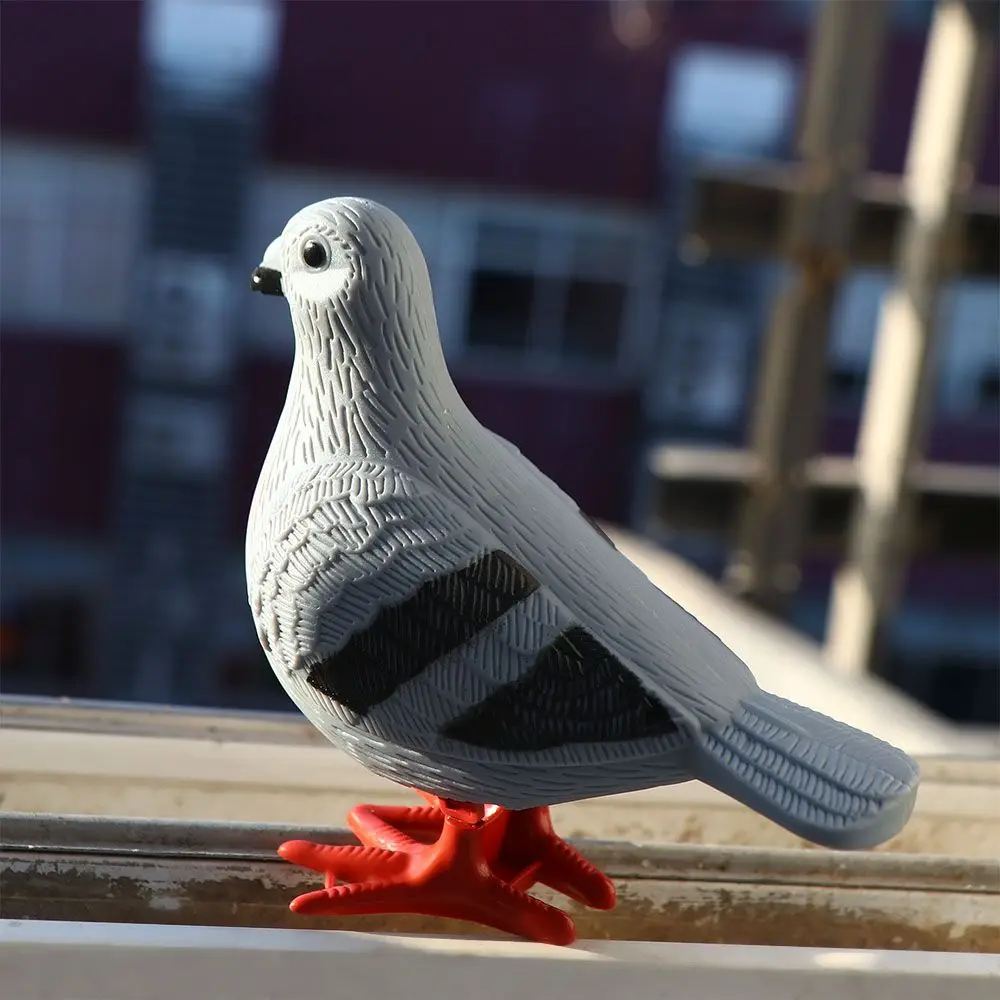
452, 859
531, 848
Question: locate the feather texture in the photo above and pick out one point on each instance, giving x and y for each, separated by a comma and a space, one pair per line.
443, 611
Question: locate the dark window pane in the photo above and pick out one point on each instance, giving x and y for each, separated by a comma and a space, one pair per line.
846, 386
989, 389
594, 311
43, 644
500, 309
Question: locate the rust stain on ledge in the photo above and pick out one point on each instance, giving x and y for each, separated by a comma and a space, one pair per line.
236, 894
731, 920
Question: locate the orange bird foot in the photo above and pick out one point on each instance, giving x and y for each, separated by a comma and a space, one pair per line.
456, 860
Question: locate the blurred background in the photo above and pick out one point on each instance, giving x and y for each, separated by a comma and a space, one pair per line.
664, 239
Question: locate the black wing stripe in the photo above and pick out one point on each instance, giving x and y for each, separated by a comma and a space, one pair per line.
405, 639
576, 692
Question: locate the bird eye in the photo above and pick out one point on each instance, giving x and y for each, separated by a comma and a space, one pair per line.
314, 254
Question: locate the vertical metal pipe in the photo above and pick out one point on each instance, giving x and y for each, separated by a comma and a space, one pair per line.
789, 408
951, 109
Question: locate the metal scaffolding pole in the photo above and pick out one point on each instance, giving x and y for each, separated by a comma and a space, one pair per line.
951, 109
843, 79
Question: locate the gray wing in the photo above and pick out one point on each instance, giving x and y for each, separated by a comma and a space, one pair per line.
407, 634
573, 691
343, 541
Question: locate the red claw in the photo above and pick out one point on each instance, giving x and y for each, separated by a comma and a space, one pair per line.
456, 860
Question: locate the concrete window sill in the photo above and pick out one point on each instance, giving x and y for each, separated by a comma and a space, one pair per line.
55, 961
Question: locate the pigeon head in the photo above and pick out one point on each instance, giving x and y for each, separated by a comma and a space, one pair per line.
360, 298
353, 273
334, 250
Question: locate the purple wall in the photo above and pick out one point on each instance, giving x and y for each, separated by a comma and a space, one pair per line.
536, 96
70, 69
950, 440
582, 437
60, 407
960, 583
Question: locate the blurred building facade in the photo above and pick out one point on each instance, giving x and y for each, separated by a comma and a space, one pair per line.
540, 152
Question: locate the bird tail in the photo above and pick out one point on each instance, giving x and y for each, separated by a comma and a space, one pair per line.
819, 778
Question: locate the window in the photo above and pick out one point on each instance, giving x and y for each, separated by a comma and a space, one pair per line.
43, 643
968, 349
852, 331
593, 318
730, 102
699, 374
99, 253
67, 236
560, 292
500, 309
988, 395
31, 264
595, 302
910, 16
16, 255
846, 385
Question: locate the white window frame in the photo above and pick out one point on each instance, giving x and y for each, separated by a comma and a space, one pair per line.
968, 347
36, 203
45, 185
719, 377
558, 230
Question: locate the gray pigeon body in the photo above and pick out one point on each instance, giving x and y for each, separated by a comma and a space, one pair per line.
443, 612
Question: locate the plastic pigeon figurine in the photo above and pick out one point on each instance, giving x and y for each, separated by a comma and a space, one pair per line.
443, 612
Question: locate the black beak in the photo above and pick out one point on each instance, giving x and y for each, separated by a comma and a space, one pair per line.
266, 280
